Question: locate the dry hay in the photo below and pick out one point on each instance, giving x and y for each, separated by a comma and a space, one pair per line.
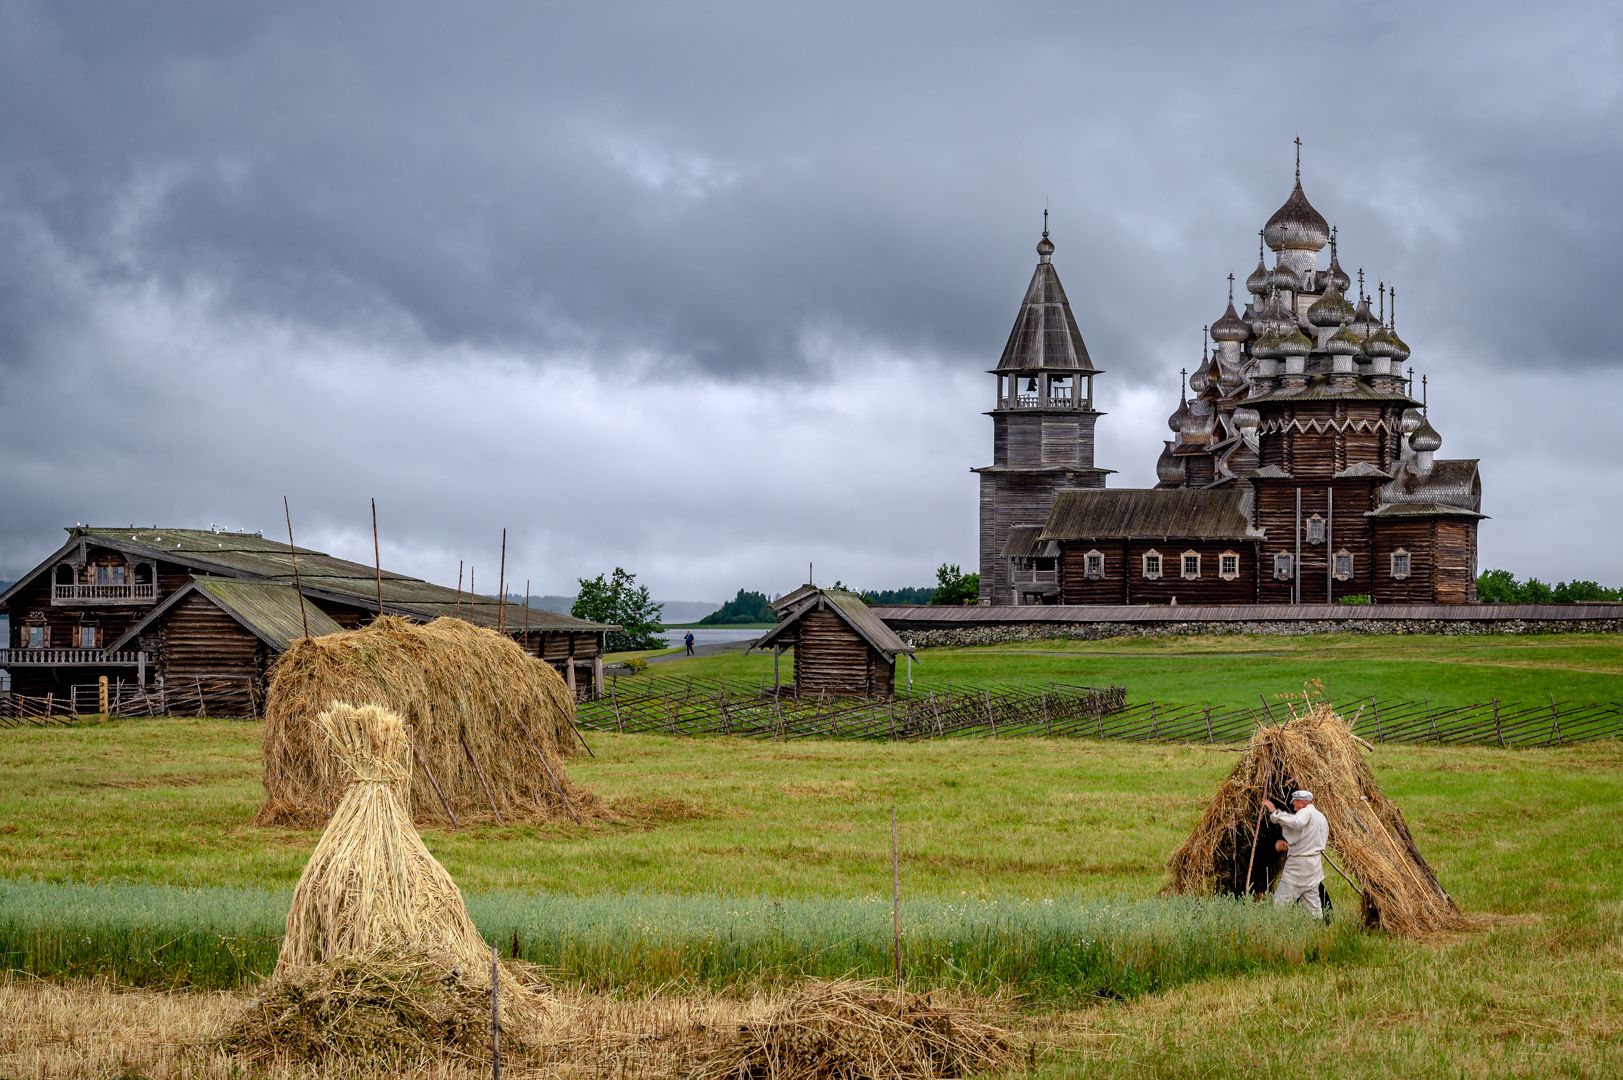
1318, 751
378, 950
489, 724
844, 1030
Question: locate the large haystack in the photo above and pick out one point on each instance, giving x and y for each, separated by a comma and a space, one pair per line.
380, 958
489, 724
1232, 847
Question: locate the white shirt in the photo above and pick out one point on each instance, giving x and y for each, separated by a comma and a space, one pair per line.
1306, 830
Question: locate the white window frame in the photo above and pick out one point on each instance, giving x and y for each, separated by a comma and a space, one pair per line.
1093, 565
1402, 564
1160, 564
1339, 574
1314, 532
1222, 562
1284, 568
1183, 566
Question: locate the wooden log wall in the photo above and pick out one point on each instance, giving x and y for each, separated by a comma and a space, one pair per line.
1124, 576
1274, 511
1416, 536
830, 657
201, 641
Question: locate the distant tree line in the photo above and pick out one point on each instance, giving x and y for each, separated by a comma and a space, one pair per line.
1503, 587
953, 586
746, 607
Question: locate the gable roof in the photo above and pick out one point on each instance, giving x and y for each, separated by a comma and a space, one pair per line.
268, 611
850, 608
791, 598
259, 558
1164, 513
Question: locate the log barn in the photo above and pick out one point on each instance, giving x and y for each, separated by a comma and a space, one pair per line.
190, 609
841, 646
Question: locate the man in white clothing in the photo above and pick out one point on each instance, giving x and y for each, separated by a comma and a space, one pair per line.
1306, 832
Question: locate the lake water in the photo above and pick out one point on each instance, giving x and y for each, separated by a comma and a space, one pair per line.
710, 635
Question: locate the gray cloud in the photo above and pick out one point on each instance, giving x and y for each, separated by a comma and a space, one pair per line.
341, 241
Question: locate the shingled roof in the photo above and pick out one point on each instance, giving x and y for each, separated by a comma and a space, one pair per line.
269, 611
1045, 335
849, 607
1161, 513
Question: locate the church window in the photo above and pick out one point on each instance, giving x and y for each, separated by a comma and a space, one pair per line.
1282, 566
1152, 564
1344, 565
1191, 564
1315, 529
1093, 565
1400, 563
1228, 565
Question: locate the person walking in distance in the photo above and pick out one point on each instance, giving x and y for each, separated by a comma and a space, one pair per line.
1306, 832
687, 639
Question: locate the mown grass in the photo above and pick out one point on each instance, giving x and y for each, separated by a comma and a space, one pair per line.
1233, 670
1053, 950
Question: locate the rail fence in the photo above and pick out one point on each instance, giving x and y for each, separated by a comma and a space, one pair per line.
676, 706
234, 697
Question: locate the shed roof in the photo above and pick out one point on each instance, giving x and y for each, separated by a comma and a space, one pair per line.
1025, 542
269, 611
849, 607
1125, 513
255, 557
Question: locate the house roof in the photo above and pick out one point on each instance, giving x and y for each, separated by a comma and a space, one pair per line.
1422, 509
1126, 513
268, 611
1025, 542
792, 597
259, 558
849, 607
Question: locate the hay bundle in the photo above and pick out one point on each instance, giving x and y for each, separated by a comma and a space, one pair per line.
842, 1030
1318, 751
489, 724
379, 955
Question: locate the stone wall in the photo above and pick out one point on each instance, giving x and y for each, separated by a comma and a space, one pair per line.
1094, 631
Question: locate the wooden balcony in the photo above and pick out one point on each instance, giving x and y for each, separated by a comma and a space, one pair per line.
1034, 401
77, 595
13, 658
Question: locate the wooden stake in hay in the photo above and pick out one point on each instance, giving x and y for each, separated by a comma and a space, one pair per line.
379, 958
489, 724
1317, 751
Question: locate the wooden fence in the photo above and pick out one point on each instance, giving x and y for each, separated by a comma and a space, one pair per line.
677, 706
231, 697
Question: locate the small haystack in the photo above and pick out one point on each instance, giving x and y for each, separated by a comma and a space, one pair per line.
488, 724
843, 1030
379, 956
1232, 846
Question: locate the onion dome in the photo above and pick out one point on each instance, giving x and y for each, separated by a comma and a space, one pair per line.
1425, 438
1379, 344
1402, 346
1267, 347
1229, 327
1246, 420
1410, 421
1257, 283
1363, 320
1343, 342
1168, 469
1331, 309
1179, 415
1295, 343
1198, 382
1338, 277
1045, 247
1296, 225
1283, 277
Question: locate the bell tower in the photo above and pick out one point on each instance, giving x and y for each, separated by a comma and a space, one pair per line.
1042, 437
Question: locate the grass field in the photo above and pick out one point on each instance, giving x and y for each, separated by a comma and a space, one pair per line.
1234, 670
715, 833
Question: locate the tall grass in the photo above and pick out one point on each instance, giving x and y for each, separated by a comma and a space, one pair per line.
1051, 950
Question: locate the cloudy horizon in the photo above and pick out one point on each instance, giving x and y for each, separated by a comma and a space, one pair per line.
709, 290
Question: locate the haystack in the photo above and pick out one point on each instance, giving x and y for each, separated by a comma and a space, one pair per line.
379, 954
489, 725
1232, 847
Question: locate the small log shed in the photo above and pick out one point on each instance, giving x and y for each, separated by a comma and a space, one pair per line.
841, 646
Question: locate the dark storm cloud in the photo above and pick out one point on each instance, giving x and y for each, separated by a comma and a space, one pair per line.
403, 208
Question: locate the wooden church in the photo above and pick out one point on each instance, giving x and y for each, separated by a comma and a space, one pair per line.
1301, 468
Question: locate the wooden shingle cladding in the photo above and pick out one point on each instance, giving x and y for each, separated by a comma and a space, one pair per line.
841, 646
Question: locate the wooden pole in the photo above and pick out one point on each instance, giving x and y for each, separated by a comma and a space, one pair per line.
526, 613
457, 611
1256, 830
483, 782
495, 1019
501, 587
435, 784
896, 901
101, 696
293, 553
377, 556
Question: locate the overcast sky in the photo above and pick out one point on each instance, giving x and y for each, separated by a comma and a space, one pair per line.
709, 290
